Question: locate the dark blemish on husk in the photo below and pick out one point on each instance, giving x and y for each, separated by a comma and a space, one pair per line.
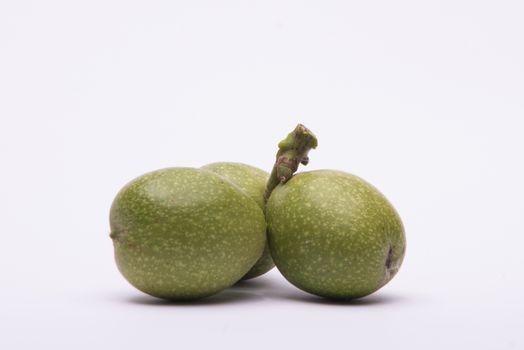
389, 258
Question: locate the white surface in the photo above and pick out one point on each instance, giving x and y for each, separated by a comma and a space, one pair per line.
422, 99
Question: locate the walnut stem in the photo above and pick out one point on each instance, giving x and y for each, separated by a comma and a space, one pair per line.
292, 151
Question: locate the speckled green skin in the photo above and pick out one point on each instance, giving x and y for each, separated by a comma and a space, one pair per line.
334, 235
253, 182
183, 233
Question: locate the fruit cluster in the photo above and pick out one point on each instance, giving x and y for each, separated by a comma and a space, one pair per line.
187, 233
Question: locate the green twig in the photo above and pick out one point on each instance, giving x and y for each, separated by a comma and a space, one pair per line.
292, 151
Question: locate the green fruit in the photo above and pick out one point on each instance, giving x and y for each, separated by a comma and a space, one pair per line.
252, 181
183, 233
334, 235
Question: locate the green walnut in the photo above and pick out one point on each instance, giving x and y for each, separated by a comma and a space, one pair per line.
333, 234
185, 233
252, 181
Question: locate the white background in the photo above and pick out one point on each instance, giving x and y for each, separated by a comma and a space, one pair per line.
424, 99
